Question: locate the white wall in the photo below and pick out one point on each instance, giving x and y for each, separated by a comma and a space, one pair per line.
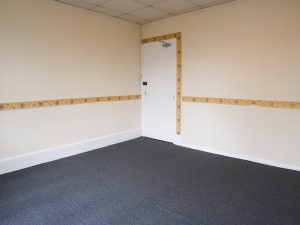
51, 50
245, 49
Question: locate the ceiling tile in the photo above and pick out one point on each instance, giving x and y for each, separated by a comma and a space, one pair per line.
175, 6
149, 13
124, 6
150, 2
134, 19
209, 2
96, 2
78, 3
162, 17
106, 11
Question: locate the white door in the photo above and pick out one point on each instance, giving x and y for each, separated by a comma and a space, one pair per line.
159, 90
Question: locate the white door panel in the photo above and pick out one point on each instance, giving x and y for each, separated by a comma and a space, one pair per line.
158, 96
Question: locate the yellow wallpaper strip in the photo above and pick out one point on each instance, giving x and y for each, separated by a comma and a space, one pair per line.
62, 102
178, 82
161, 37
179, 71
244, 102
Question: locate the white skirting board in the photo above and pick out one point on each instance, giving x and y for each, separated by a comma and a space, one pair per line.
27, 160
243, 157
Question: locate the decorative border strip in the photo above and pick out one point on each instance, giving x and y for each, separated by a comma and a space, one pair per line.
179, 71
161, 37
62, 102
243, 102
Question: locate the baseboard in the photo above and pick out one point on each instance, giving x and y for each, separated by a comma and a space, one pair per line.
177, 140
27, 160
243, 157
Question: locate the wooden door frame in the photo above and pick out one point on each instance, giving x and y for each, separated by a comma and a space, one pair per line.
178, 71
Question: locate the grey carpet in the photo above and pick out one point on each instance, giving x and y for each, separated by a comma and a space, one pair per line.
148, 182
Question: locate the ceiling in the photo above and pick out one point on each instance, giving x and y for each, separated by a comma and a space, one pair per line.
142, 11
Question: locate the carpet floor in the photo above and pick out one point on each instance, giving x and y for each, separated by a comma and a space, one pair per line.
149, 182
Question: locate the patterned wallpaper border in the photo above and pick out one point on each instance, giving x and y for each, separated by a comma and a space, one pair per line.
179, 70
161, 37
243, 102
62, 102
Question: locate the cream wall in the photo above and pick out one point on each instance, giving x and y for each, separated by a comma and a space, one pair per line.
50, 50
244, 49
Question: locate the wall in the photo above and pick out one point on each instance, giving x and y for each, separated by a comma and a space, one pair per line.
246, 49
50, 50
